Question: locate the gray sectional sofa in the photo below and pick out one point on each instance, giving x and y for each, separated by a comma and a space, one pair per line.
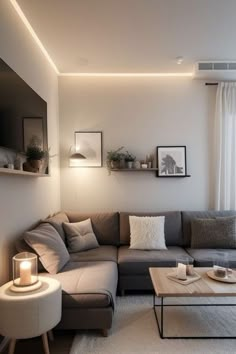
91, 278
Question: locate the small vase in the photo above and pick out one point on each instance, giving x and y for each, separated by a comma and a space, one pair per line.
130, 164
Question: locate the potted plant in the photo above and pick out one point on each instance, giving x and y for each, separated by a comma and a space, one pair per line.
34, 154
129, 159
114, 157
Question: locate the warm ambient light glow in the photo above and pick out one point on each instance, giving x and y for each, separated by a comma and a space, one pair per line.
34, 35
39, 43
128, 74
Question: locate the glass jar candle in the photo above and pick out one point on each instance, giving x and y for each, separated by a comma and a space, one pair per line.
25, 269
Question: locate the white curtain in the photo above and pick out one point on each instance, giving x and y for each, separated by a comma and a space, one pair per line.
225, 146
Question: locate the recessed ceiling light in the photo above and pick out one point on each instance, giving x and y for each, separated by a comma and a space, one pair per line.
179, 60
83, 61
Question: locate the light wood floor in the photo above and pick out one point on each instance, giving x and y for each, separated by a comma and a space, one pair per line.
61, 344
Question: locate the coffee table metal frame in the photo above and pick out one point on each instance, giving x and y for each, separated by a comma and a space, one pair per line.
160, 324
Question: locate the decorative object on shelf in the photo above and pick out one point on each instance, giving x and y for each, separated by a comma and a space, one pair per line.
137, 164
171, 161
114, 158
144, 165
87, 151
35, 155
129, 159
150, 160
18, 163
25, 272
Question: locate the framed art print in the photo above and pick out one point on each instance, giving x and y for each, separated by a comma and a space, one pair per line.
171, 161
88, 144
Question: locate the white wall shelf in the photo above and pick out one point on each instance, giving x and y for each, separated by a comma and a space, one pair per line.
8, 171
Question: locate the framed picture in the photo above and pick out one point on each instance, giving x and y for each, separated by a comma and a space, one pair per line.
171, 161
88, 149
33, 130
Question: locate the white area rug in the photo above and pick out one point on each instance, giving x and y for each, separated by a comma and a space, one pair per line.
135, 330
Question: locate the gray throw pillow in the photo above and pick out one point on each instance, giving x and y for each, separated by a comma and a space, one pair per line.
214, 233
80, 236
57, 221
47, 243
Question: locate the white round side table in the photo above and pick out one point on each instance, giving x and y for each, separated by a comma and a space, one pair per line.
30, 314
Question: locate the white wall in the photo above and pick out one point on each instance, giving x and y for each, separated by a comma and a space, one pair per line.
139, 114
24, 200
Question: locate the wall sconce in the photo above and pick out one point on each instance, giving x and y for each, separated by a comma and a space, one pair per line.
75, 156
25, 272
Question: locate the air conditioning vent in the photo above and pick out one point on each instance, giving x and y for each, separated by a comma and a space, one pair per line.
205, 66
216, 70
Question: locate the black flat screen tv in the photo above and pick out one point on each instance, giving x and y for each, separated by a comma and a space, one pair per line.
23, 113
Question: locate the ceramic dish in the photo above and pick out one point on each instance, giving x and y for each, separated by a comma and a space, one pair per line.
229, 279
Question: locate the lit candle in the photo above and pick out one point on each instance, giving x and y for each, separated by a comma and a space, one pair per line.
181, 271
25, 273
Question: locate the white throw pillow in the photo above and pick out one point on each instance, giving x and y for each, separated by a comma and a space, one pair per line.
147, 232
80, 236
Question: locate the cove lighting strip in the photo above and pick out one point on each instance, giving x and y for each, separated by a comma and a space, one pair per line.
39, 43
128, 74
33, 34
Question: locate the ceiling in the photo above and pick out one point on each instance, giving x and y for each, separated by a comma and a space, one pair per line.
117, 36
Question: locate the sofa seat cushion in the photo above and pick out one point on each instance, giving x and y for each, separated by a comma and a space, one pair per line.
138, 261
87, 284
103, 253
206, 257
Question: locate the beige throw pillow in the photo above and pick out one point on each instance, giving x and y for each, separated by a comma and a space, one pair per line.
80, 236
47, 243
147, 232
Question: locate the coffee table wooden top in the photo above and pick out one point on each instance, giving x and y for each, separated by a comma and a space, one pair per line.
203, 287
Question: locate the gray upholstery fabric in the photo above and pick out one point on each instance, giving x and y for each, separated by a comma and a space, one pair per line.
80, 236
214, 233
103, 253
57, 221
105, 226
173, 230
86, 318
135, 282
48, 244
206, 257
138, 261
88, 284
188, 216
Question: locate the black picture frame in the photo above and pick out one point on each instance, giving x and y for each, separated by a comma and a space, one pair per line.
171, 161
89, 144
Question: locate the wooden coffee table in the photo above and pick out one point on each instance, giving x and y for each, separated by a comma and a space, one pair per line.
205, 287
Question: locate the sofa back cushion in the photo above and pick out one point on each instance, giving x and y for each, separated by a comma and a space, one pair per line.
173, 230
188, 216
57, 222
105, 225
